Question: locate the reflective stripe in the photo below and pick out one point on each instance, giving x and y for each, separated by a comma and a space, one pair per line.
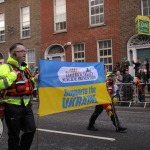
1, 77
5, 83
10, 68
4, 79
17, 101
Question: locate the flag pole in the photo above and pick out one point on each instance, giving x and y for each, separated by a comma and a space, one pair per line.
114, 113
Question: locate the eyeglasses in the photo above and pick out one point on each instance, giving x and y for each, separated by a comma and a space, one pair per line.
22, 51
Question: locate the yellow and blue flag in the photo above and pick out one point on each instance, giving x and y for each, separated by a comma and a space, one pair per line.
65, 86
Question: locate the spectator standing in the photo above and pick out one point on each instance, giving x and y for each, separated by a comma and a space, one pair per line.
117, 67
117, 86
137, 65
127, 87
146, 63
141, 80
35, 90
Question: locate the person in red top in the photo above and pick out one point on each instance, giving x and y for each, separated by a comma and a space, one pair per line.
109, 109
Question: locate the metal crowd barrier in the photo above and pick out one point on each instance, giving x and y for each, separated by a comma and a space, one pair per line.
130, 93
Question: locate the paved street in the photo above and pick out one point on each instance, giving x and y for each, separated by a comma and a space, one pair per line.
67, 131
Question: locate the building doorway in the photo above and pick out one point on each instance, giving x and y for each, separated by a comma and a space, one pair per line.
55, 52
143, 54
138, 46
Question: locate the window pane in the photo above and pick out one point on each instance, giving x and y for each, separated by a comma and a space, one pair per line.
109, 60
97, 19
109, 51
105, 44
79, 53
60, 15
105, 60
145, 11
97, 2
110, 68
75, 55
100, 45
101, 1
96, 12
101, 59
92, 10
109, 43
92, 2
2, 28
101, 52
105, 52
93, 20
144, 3
146, 7
25, 22
101, 9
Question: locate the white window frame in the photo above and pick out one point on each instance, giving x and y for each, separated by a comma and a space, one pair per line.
105, 49
147, 7
2, 27
25, 22
60, 23
1, 1
77, 55
31, 58
99, 15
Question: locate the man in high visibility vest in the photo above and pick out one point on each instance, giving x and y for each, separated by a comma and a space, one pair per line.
109, 109
16, 86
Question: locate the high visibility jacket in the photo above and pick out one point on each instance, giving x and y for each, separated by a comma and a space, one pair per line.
7, 79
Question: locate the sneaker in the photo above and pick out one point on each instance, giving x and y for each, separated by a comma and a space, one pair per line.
120, 129
92, 128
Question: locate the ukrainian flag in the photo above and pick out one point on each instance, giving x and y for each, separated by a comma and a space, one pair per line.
65, 86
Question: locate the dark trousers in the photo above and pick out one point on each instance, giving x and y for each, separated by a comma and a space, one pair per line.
19, 118
98, 110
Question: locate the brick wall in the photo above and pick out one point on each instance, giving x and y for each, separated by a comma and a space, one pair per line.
11, 9
129, 10
78, 29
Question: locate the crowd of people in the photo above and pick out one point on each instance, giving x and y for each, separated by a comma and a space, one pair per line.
124, 81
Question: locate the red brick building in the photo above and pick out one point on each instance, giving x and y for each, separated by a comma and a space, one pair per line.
89, 39
98, 30
20, 22
78, 31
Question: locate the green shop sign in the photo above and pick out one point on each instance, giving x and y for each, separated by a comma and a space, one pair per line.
142, 25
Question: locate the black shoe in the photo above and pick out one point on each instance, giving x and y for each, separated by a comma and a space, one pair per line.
120, 129
92, 128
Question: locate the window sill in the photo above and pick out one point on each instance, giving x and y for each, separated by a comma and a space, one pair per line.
2, 42
97, 25
59, 32
23, 38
